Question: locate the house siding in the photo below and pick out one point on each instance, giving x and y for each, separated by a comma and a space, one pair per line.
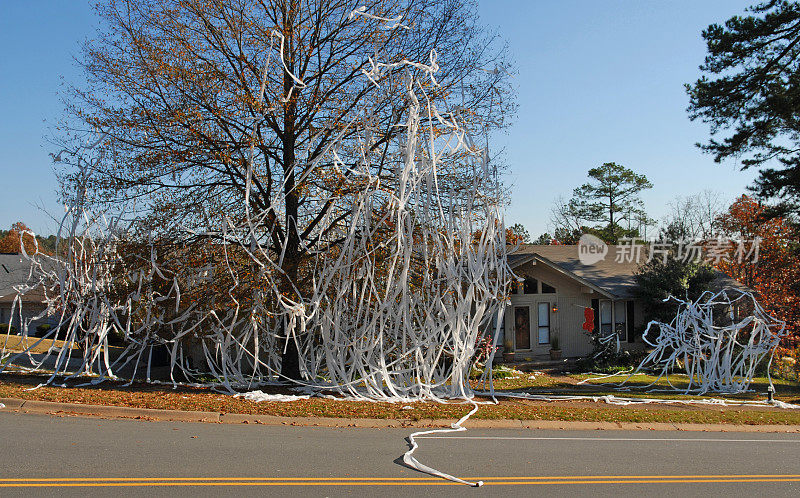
570, 299
574, 341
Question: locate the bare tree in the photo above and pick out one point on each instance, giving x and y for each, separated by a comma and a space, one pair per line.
228, 110
693, 216
566, 222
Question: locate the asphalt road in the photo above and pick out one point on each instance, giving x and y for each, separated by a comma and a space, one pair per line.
44, 455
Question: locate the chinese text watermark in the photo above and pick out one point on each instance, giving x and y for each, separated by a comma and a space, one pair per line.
713, 250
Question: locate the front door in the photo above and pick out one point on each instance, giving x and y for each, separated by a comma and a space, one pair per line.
522, 326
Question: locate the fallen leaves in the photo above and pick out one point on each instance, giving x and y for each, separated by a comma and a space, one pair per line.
204, 399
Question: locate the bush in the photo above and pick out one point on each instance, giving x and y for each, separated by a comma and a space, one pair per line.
7, 329
657, 280
483, 350
611, 363
43, 329
116, 337
503, 372
786, 365
498, 372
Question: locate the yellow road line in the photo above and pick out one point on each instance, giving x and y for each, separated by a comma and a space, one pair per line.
379, 478
388, 481
380, 483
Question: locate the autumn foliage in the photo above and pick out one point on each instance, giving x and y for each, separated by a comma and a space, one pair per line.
12, 242
775, 273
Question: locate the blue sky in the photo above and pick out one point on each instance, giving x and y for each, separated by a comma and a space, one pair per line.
599, 81
602, 81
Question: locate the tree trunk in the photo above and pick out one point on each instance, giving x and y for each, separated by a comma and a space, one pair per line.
290, 360
611, 215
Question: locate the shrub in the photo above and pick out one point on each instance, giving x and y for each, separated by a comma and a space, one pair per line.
657, 280
498, 372
503, 372
483, 349
7, 329
786, 365
611, 363
43, 329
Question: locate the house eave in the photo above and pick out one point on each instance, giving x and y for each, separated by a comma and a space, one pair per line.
575, 277
521, 260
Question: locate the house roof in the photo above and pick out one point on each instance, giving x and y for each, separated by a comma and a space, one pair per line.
610, 277
15, 270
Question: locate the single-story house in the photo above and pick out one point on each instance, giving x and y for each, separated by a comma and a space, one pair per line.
555, 290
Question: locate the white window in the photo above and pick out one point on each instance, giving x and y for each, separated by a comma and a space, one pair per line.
544, 323
620, 317
606, 318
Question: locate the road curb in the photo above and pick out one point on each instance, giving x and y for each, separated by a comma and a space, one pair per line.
55, 408
123, 412
12, 403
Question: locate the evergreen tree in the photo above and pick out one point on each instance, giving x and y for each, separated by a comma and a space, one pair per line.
611, 196
751, 92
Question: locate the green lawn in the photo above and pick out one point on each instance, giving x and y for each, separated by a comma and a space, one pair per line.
639, 385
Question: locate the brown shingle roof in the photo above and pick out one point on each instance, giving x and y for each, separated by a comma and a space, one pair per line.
15, 271
610, 276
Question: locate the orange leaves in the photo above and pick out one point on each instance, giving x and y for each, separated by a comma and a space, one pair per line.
19, 234
776, 272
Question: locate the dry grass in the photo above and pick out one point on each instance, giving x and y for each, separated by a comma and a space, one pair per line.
16, 343
205, 399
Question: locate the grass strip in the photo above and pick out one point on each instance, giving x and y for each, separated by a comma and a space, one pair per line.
203, 399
